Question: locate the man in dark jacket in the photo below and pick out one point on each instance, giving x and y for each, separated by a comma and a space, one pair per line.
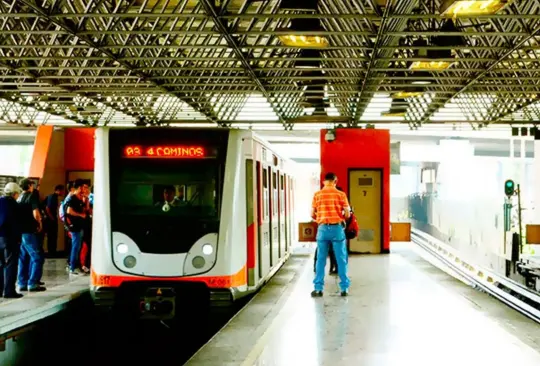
31, 259
9, 240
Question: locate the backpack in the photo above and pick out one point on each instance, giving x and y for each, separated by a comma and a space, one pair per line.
62, 210
352, 228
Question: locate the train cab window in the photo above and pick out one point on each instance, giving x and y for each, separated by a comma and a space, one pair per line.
185, 193
156, 203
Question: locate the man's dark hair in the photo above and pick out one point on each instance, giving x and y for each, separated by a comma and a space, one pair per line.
58, 187
26, 184
78, 183
330, 177
169, 189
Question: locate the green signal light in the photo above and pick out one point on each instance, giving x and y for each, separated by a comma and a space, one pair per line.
509, 189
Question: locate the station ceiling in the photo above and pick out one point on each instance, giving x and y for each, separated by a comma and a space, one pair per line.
292, 64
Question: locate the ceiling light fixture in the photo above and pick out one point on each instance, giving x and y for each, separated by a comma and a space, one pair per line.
301, 37
421, 82
392, 113
453, 8
436, 59
406, 94
430, 65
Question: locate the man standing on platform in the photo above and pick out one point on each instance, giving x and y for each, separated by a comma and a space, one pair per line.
9, 240
330, 209
31, 256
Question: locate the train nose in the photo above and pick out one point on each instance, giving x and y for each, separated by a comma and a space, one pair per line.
158, 307
158, 303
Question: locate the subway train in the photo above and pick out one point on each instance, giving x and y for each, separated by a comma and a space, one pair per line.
185, 214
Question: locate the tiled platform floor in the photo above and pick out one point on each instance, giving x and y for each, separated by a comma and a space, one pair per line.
401, 311
33, 306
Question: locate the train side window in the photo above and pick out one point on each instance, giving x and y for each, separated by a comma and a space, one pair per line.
265, 195
282, 186
275, 190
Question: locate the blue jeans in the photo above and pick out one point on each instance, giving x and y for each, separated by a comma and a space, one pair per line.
331, 235
76, 245
31, 261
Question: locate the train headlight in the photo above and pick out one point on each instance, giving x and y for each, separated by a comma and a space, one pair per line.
198, 262
122, 248
202, 255
130, 261
207, 249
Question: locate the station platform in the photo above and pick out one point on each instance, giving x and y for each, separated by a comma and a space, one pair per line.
402, 310
17, 314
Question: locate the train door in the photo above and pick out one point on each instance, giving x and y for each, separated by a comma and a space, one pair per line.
291, 213
274, 223
365, 192
286, 199
253, 221
282, 217
264, 228
279, 218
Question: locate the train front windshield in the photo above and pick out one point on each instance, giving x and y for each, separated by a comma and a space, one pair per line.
166, 203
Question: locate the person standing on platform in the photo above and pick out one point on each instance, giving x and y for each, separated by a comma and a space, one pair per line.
330, 209
10, 238
31, 258
333, 265
74, 220
51, 209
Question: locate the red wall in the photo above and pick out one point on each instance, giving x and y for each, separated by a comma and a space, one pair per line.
360, 149
79, 149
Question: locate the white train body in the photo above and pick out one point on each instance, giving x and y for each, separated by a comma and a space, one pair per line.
227, 231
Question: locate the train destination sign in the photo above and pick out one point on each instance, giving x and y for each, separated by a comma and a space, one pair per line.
168, 151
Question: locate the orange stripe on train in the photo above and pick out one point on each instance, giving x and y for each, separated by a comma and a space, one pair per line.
235, 280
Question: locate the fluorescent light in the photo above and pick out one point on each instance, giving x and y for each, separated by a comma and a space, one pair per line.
303, 41
430, 65
393, 114
406, 94
421, 82
452, 8
302, 34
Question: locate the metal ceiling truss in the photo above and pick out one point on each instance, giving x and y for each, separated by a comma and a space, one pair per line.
221, 62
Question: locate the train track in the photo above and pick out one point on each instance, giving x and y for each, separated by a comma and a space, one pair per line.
509, 292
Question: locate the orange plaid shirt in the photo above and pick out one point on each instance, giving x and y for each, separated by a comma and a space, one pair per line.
329, 204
